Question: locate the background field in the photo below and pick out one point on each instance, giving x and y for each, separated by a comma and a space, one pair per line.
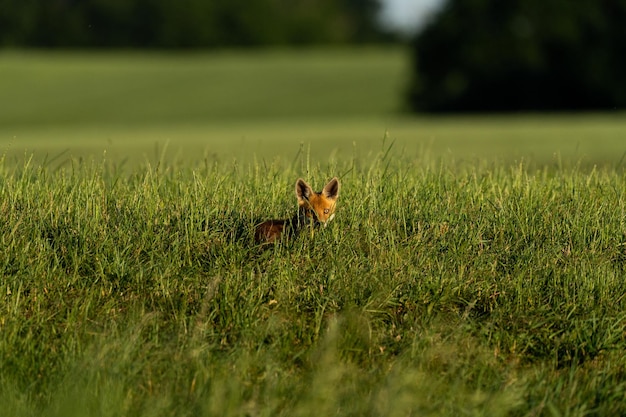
475, 266
260, 105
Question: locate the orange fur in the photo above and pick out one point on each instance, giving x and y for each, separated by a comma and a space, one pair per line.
314, 208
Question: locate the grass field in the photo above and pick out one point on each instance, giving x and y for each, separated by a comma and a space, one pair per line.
263, 106
475, 266
127, 104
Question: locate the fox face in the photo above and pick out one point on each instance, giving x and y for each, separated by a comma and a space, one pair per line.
314, 208
317, 207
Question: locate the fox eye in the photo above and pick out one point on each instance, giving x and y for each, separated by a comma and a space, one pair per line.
326, 211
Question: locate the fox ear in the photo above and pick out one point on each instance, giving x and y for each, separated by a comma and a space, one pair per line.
331, 190
303, 190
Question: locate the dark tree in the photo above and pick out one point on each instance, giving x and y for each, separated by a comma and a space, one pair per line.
494, 55
186, 23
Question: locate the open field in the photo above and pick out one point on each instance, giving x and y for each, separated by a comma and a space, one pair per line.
475, 267
585, 139
263, 106
495, 290
127, 104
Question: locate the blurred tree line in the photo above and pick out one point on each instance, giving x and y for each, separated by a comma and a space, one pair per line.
509, 55
185, 23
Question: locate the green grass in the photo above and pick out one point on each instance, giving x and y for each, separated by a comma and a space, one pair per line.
118, 88
440, 289
475, 266
260, 105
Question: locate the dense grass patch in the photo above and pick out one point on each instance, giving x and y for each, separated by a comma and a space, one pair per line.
439, 289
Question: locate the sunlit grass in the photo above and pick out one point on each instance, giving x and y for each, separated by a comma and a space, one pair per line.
555, 140
475, 266
439, 289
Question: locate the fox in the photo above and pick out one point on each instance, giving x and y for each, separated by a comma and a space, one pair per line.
314, 209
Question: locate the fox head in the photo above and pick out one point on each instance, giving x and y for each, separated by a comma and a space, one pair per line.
317, 207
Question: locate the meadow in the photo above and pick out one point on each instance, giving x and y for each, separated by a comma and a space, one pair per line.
475, 265
260, 106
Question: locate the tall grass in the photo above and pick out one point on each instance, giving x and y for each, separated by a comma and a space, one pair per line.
439, 289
